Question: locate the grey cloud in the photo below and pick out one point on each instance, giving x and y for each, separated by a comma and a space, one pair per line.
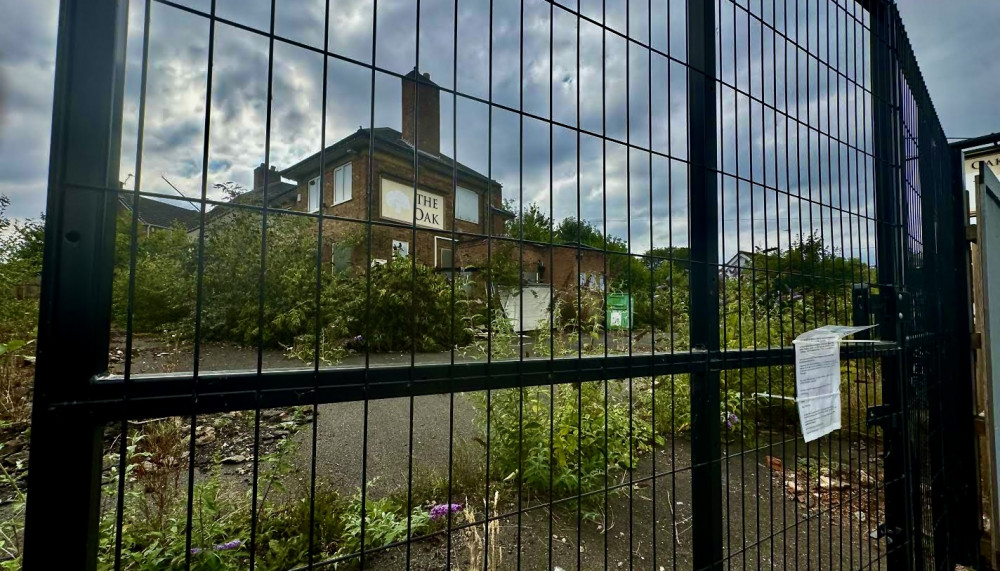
27, 62
955, 43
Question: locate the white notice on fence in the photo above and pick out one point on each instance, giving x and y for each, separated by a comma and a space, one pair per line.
817, 378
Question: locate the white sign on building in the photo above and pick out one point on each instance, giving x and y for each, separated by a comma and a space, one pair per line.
397, 204
972, 164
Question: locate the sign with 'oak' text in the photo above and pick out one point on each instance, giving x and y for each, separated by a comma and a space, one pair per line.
397, 204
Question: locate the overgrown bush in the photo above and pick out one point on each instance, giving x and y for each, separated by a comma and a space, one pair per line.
231, 309
566, 440
571, 436
164, 284
406, 307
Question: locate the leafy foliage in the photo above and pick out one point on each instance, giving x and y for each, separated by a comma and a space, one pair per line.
154, 530
572, 435
21, 244
406, 306
537, 226
403, 297
164, 286
232, 284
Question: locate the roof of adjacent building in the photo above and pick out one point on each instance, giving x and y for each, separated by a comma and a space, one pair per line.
160, 214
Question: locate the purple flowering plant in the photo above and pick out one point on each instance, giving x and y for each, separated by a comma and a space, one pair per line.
227, 546
441, 510
732, 420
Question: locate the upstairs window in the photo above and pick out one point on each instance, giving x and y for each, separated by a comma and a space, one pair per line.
314, 194
466, 205
342, 182
401, 248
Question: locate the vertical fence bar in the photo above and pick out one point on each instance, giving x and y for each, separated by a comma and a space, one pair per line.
75, 303
706, 450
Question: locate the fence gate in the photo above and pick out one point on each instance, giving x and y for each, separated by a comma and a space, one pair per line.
283, 240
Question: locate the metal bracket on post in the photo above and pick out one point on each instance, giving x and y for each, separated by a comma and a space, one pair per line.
865, 303
894, 304
904, 308
882, 416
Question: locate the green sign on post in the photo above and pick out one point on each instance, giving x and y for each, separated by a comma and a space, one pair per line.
619, 311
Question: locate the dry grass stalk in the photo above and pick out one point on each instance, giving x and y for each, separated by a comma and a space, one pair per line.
477, 546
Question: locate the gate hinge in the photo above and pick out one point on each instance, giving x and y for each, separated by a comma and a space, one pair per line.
881, 415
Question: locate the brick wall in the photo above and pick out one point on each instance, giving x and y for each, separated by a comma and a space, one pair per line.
397, 168
561, 266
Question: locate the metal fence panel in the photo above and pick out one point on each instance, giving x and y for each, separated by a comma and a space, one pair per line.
319, 367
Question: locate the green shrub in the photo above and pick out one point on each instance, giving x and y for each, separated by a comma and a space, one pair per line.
385, 524
588, 436
409, 306
232, 279
405, 307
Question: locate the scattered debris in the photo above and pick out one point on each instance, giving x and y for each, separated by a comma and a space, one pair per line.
774, 463
842, 490
864, 479
204, 434
827, 483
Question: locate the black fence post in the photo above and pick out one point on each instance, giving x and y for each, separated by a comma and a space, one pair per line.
75, 304
888, 151
706, 448
962, 494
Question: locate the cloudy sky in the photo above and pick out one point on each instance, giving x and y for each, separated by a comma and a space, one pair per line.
643, 107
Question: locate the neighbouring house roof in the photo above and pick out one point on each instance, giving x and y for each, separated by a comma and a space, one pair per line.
738, 257
160, 214
391, 141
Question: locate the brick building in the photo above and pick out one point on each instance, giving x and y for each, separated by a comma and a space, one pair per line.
458, 210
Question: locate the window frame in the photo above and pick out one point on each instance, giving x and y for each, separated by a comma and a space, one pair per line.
349, 195
459, 190
309, 195
403, 250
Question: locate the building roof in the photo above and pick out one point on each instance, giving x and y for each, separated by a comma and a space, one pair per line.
390, 140
741, 255
160, 214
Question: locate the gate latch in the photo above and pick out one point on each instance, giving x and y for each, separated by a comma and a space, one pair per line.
884, 531
881, 415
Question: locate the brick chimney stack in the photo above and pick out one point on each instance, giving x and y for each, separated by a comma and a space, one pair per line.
258, 176
425, 100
